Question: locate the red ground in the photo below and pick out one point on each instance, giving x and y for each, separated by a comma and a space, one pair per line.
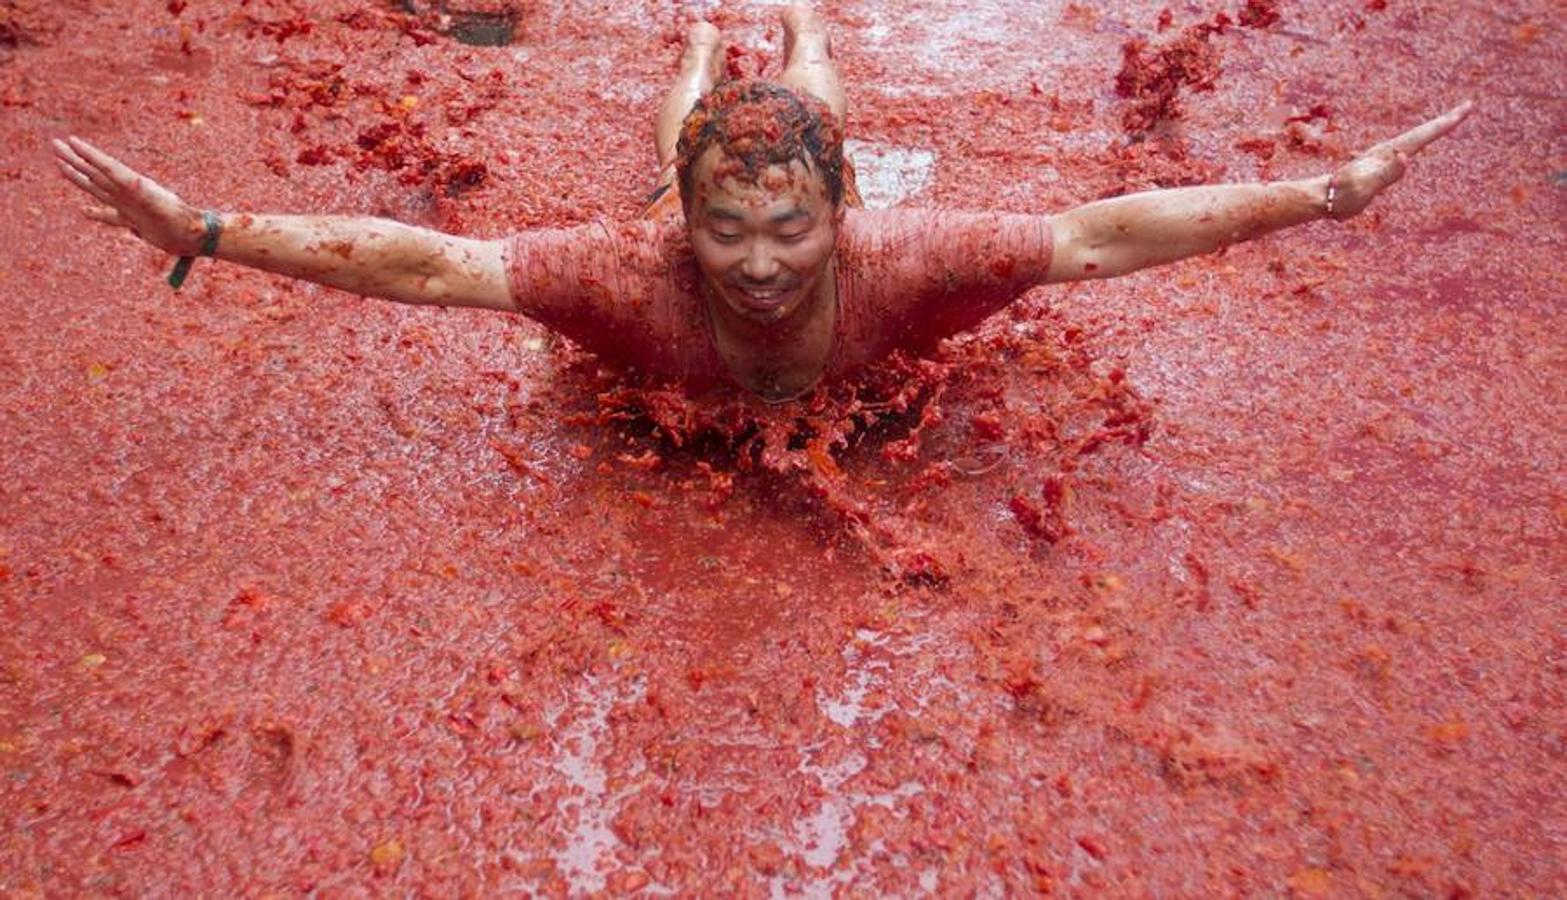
301, 591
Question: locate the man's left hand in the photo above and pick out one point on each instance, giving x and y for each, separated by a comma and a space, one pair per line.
1359, 181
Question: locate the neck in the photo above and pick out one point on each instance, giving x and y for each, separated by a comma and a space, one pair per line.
782, 359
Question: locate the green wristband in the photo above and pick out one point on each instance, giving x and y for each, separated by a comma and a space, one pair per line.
209, 247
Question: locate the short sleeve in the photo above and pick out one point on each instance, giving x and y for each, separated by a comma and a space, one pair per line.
913, 277
616, 289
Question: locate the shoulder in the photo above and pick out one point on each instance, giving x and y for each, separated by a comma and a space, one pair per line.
539, 257
626, 291
949, 235
910, 277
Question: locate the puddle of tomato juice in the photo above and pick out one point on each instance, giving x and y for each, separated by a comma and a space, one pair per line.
1231, 576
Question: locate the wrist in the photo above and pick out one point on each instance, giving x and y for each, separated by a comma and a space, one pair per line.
211, 228
211, 232
189, 233
1323, 195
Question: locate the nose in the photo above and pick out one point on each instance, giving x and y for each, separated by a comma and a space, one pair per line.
759, 264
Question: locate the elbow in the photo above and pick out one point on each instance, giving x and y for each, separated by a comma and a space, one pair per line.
1090, 247
430, 289
1092, 265
1105, 260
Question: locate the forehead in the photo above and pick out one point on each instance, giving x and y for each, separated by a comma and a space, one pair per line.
720, 178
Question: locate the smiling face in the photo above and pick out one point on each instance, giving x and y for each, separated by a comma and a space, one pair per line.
765, 244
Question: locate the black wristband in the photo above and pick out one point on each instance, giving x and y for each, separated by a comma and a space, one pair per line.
209, 247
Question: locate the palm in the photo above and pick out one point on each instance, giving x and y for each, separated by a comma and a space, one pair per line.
129, 199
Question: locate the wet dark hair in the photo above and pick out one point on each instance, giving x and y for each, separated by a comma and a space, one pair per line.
760, 124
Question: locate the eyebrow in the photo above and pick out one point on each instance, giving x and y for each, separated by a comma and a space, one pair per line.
726, 214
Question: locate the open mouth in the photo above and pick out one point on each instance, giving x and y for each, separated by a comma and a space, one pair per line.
763, 299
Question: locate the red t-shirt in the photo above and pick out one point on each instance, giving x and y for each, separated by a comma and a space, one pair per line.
629, 292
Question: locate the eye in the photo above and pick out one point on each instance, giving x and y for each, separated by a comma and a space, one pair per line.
794, 237
725, 237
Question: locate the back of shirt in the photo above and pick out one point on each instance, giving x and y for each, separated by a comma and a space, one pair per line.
911, 277
906, 279
628, 292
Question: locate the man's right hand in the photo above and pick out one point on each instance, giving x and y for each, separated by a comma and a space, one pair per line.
128, 199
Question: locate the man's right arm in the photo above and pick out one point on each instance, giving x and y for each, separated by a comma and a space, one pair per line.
374, 257
614, 289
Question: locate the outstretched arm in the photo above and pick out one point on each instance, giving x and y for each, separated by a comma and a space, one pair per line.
374, 257
1124, 234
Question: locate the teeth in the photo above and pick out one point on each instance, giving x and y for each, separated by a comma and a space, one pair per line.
763, 299
763, 295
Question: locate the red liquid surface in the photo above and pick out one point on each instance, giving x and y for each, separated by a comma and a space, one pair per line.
1239, 576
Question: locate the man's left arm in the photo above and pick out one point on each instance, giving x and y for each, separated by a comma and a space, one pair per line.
1124, 234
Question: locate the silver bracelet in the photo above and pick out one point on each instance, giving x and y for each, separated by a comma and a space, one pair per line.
1332, 193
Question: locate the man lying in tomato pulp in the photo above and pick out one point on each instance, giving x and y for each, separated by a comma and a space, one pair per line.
754, 262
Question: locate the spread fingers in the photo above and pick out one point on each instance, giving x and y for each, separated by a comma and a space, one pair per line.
78, 178
108, 215
115, 171
68, 157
